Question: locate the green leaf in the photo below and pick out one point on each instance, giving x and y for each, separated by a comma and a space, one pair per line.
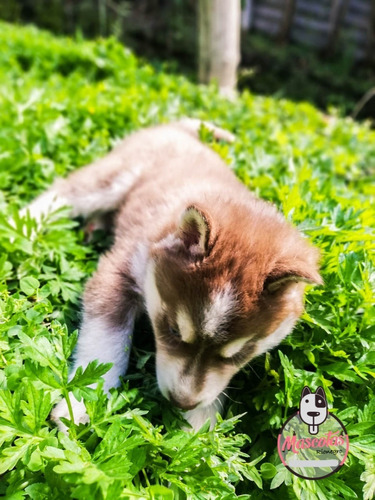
158, 492
268, 470
368, 477
93, 371
39, 491
280, 477
29, 285
343, 488
12, 455
36, 407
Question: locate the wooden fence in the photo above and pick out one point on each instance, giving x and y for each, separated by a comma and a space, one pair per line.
326, 25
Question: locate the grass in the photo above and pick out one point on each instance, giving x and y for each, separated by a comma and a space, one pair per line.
64, 103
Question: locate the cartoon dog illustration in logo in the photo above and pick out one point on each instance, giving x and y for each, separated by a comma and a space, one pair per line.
313, 409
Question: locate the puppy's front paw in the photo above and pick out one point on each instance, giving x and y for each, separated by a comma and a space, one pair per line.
62, 410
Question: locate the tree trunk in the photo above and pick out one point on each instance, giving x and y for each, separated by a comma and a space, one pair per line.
219, 42
287, 21
370, 53
338, 11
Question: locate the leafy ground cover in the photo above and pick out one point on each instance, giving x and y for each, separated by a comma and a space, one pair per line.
166, 31
64, 103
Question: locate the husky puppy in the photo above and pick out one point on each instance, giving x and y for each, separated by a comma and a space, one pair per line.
220, 273
313, 409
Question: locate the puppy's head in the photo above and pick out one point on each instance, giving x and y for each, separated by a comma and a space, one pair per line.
222, 288
313, 408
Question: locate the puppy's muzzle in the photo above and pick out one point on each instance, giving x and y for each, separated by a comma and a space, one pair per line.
186, 404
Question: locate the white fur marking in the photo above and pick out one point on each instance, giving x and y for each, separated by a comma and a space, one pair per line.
154, 303
168, 371
276, 337
98, 340
170, 379
216, 315
233, 347
44, 204
215, 382
138, 267
168, 242
186, 326
61, 410
199, 416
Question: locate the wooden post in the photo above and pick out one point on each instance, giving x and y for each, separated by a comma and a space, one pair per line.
286, 24
102, 12
370, 52
69, 13
204, 29
338, 11
219, 42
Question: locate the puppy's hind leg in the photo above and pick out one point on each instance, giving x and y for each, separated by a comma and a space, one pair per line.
94, 189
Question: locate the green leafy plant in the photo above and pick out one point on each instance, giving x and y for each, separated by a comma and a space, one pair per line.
64, 103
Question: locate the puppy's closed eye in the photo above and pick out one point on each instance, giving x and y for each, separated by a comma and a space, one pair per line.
237, 352
174, 332
169, 333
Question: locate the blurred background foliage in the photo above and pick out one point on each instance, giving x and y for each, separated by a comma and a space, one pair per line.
165, 32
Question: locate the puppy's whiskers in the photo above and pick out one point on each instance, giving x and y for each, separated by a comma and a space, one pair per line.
255, 373
234, 401
219, 401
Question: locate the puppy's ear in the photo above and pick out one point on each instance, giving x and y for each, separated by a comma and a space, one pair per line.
193, 238
273, 284
320, 392
299, 263
297, 270
305, 391
194, 231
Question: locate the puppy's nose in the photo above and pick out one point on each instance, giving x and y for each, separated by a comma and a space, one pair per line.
313, 413
186, 404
